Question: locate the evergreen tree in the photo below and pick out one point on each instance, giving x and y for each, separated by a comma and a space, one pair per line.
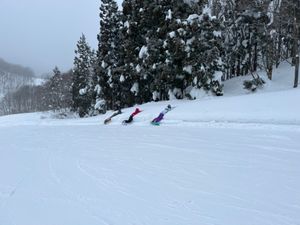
82, 87
153, 59
133, 40
191, 51
109, 51
204, 48
285, 16
55, 90
245, 36
169, 77
151, 53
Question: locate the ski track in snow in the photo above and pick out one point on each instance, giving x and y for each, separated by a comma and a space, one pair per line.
68, 191
144, 175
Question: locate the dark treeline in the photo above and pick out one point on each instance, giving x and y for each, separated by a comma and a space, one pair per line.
156, 50
160, 50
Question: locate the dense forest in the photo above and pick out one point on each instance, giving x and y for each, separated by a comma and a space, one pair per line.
169, 49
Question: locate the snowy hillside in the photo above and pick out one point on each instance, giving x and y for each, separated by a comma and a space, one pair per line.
13, 76
217, 161
39, 81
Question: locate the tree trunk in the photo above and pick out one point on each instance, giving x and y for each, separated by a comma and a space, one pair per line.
255, 58
296, 51
238, 68
270, 72
278, 50
296, 71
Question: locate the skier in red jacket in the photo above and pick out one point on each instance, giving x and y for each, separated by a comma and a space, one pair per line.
137, 111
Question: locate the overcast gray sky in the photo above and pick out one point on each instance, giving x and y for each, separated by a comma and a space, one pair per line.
43, 33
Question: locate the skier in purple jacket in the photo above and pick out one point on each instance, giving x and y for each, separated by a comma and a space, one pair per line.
162, 114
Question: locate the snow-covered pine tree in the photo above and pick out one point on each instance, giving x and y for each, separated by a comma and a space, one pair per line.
244, 34
152, 59
55, 86
170, 81
150, 54
156, 55
82, 87
192, 50
204, 48
144, 35
133, 40
108, 55
285, 15
173, 76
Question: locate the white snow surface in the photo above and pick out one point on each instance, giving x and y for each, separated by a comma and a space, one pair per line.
39, 81
169, 15
188, 69
83, 91
231, 160
143, 52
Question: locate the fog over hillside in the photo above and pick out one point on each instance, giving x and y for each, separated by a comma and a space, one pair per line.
13, 76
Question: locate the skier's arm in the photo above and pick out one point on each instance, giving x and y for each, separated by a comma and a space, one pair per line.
168, 110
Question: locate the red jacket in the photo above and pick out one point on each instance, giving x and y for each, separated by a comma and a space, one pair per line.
137, 111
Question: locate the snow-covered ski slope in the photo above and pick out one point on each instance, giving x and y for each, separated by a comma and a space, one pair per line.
217, 161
